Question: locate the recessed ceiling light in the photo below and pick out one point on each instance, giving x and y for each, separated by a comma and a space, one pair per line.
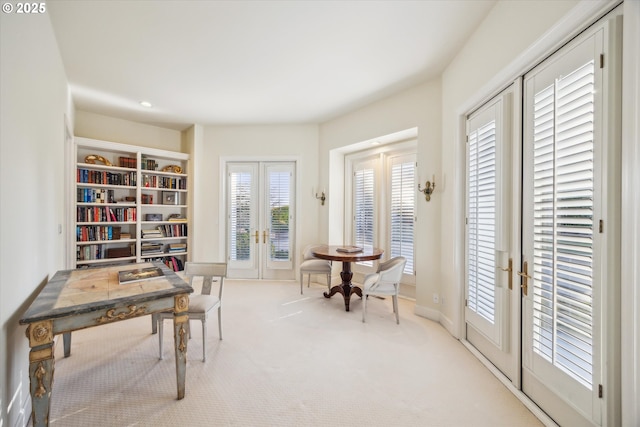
146, 104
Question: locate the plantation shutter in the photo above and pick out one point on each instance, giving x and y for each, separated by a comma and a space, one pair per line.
481, 220
364, 204
279, 184
402, 194
240, 215
563, 215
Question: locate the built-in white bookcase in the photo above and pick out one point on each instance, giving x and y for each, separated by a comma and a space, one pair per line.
130, 204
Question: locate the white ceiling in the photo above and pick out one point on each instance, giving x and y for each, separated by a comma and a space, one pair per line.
253, 62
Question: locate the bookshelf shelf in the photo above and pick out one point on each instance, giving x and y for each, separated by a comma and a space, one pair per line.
112, 201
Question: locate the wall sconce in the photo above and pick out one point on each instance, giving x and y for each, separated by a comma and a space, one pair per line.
322, 197
429, 186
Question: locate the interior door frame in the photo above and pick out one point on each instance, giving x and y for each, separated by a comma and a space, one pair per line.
222, 207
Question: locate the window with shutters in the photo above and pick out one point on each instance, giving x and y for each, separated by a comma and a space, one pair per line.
383, 191
563, 168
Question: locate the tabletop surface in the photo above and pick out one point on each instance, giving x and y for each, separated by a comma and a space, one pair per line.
88, 289
334, 253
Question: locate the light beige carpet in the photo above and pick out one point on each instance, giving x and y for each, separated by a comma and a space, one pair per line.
286, 360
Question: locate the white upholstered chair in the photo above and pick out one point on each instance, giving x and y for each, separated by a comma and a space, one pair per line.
200, 305
386, 281
312, 265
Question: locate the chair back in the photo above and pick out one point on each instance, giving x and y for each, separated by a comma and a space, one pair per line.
308, 252
206, 270
391, 271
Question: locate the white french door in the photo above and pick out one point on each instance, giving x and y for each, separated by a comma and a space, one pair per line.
544, 206
260, 219
492, 312
568, 118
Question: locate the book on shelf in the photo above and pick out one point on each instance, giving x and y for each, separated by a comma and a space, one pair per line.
151, 233
127, 162
177, 247
177, 218
150, 248
139, 274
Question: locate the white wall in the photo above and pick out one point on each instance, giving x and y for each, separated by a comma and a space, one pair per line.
419, 108
34, 101
294, 142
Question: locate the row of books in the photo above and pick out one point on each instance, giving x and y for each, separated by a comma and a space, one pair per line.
103, 251
148, 164
95, 195
128, 162
92, 233
86, 176
153, 181
172, 262
150, 248
179, 229
105, 214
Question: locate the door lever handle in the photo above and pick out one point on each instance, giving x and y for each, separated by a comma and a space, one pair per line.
525, 275
257, 237
509, 270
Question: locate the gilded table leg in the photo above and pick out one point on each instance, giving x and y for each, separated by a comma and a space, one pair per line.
181, 338
41, 366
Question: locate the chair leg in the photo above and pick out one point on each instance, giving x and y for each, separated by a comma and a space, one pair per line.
364, 306
160, 324
220, 321
329, 282
309, 280
154, 323
301, 281
395, 308
204, 339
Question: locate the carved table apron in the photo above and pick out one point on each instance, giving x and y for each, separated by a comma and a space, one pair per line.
332, 253
78, 299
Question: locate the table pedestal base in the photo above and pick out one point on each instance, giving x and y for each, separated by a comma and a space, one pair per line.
345, 288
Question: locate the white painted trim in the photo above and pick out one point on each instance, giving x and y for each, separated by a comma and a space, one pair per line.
222, 205
630, 221
428, 313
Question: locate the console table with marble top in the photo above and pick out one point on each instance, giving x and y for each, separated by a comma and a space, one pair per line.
82, 298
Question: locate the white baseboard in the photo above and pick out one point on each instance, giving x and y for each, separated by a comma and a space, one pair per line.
427, 312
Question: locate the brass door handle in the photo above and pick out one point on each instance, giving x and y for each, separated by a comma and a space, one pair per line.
525, 276
264, 236
257, 237
509, 269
